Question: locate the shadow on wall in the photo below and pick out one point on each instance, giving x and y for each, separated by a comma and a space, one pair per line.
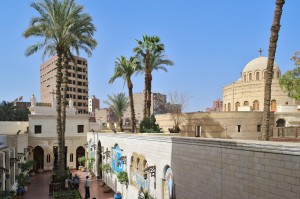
203, 125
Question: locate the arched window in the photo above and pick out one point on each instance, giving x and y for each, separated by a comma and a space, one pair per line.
224, 107
257, 75
265, 74
71, 157
137, 163
245, 78
278, 74
48, 158
273, 105
229, 107
255, 105
250, 76
237, 105
246, 103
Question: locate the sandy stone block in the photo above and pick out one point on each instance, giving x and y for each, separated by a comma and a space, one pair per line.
259, 167
291, 165
296, 159
283, 171
258, 154
291, 195
277, 177
296, 173
296, 189
285, 186
248, 153
291, 180
271, 156
285, 157
271, 169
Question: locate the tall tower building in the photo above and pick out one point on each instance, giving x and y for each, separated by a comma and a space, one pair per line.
94, 103
77, 83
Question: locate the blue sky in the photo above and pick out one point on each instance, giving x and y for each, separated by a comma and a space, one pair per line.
209, 41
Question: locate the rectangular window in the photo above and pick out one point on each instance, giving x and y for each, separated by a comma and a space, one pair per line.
37, 129
258, 128
80, 128
239, 128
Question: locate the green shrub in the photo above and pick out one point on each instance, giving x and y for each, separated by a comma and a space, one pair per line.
148, 125
123, 177
106, 168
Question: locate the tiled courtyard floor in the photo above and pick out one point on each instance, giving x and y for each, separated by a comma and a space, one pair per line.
39, 187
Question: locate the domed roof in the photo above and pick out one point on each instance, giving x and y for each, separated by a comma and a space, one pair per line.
259, 64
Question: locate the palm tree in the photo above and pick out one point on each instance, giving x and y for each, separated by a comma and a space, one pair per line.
62, 25
7, 111
269, 72
125, 69
144, 195
118, 104
148, 46
80, 36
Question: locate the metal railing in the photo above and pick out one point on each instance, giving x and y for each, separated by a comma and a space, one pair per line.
290, 132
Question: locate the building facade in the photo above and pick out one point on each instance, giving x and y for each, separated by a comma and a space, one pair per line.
158, 105
247, 93
77, 82
217, 106
94, 103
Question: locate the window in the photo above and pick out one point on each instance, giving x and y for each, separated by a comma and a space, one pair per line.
246, 103
258, 128
278, 74
238, 128
255, 105
80, 128
71, 157
265, 74
225, 107
245, 78
273, 105
37, 129
257, 75
237, 105
250, 76
48, 158
229, 107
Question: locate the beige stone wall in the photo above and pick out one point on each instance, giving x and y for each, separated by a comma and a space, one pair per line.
13, 127
212, 168
48, 138
217, 124
253, 90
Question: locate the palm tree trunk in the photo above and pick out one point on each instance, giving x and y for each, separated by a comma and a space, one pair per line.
269, 73
146, 84
64, 101
149, 95
130, 86
61, 148
121, 124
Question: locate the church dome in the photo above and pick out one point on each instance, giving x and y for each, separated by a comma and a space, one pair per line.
259, 64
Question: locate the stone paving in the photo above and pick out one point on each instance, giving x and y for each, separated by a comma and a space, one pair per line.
39, 187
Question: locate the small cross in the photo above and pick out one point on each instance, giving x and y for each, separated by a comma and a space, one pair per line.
260, 51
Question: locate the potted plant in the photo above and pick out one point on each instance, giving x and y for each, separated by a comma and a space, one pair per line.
81, 161
106, 168
90, 166
20, 184
144, 195
123, 177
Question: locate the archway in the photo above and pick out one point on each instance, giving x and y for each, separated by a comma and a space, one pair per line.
79, 153
256, 105
280, 123
38, 157
168, 185
273, 105
99, 161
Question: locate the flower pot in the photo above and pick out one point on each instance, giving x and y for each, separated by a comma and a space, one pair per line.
101, 183
106, 189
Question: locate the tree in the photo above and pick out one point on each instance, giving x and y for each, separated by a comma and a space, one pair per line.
269, 72
290, 81
177, 103
147, 47
125, 69
118, 104
63, 27
7, 111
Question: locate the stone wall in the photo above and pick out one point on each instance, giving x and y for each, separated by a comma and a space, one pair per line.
217, 124
210, 168
7, 127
